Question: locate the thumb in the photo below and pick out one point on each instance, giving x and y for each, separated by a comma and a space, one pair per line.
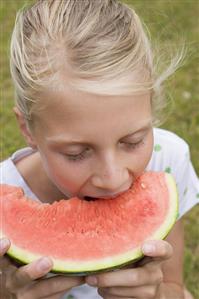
156, 251
5, 262
4, 246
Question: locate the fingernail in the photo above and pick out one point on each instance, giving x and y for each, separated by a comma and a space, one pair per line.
148, 248
91, 280
4, 243
44, 264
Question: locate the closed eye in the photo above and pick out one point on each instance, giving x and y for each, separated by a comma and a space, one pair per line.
81, 156
77, 157
133, 145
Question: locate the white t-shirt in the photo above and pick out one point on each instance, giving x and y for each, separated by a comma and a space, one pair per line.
170, 154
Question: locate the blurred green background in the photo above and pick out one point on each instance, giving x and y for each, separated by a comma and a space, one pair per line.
169, 21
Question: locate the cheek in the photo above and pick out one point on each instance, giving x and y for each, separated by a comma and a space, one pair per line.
62, 173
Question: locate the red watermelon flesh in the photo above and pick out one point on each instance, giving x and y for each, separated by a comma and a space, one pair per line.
88, 236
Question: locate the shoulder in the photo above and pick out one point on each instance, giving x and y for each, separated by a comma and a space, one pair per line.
10, 175
9, 172
168, 141
169, 151
171, 154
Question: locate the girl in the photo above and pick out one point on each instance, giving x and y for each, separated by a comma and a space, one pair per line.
88, 98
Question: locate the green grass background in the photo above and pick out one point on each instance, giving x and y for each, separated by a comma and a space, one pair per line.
169, 21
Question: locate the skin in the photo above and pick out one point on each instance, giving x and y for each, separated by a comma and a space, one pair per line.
110, 165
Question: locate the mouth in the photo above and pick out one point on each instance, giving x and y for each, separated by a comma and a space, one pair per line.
88, 198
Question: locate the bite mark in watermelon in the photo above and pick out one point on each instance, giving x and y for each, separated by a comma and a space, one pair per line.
84, 237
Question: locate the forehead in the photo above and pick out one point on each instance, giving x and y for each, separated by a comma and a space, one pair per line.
72, 111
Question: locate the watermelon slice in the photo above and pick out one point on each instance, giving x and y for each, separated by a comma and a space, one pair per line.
83, 236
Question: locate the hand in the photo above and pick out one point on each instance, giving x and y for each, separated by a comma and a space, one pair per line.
29, 281
138, 283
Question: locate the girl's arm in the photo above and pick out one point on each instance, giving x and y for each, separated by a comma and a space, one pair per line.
173, 268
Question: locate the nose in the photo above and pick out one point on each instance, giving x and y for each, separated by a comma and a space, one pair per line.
111, 176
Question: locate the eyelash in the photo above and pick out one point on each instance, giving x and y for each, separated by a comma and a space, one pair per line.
78, 157
82, 156
134, 145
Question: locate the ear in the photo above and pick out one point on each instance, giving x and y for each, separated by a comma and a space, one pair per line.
24, 128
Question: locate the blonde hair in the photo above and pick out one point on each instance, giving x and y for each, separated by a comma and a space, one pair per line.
100, 46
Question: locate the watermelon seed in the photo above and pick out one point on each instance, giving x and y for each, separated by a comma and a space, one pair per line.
143, 186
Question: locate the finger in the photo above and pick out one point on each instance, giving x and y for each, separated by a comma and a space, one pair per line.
158, 250
6, 264
104, 295
127, 278
25, 274
57, 296
53, 286
4, 246
135, 292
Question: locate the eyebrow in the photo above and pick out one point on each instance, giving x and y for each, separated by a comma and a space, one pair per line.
58, 140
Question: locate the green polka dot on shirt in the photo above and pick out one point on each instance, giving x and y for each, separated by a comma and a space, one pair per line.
197, 195
157, 148
185, 191
168, 169
70, 297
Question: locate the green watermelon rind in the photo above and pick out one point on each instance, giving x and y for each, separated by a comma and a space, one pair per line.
114, 262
